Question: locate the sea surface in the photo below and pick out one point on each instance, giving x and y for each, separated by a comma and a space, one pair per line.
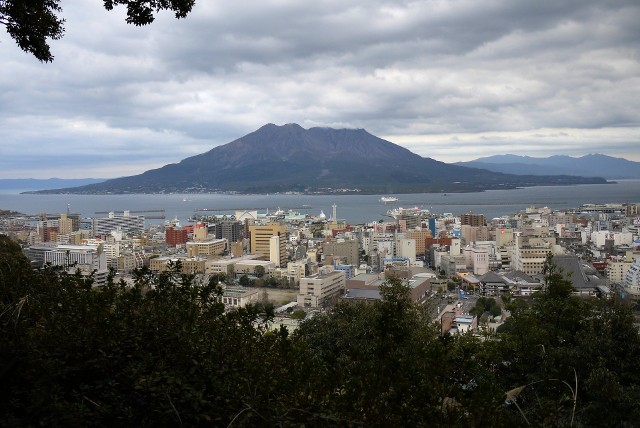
354, 208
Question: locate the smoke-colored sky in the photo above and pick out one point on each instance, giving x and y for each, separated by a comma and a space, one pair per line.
448, 79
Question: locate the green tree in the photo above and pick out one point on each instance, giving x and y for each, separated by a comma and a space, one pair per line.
259, 271
165, 352
31, 23
299, 314
244, 281
567, 360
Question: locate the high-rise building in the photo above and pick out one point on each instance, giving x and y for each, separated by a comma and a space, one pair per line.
65, 225
406, 248
102, 226
200, 232
632, 277
231, 230
420, 236
274, 250
261, 240
471, 219
175, 237
345, 251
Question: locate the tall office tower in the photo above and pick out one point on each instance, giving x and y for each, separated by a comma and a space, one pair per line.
261, 240
231, 230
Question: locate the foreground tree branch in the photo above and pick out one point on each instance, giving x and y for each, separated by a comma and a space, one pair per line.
33, 23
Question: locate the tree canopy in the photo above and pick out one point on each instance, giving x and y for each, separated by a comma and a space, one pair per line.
32, 23
164, 352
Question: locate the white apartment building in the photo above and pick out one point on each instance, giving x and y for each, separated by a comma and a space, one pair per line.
632, 277
477, 259
318, 289
618, 238
103, 226
87, 258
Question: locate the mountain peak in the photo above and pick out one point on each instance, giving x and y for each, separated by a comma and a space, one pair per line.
281, 158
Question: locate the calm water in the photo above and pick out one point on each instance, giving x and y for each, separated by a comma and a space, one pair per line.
353, 208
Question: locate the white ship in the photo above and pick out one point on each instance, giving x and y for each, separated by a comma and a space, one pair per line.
387, 199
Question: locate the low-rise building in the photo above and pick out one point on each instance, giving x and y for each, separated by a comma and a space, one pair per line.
239, 297
318, 290
207, 248
188, 264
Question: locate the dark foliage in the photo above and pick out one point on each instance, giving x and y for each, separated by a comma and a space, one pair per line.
32, 22
165, 353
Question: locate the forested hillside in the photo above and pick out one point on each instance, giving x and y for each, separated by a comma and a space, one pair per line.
164, 353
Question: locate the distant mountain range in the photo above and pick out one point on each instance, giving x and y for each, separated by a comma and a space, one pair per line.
593, 164
289, 158
23, 184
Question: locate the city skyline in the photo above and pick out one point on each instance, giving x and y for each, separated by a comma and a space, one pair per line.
450, 80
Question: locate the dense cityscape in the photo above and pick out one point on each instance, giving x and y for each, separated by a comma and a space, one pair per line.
302, 262
319, 214
278, 318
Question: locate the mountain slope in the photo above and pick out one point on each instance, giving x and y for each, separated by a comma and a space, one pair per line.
593, 164
291, 158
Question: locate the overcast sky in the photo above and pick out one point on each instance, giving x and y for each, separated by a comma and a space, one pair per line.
448, 79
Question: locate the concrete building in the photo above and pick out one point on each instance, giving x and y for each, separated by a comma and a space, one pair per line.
420, 236
239, 297
474, 233
209, 248
261, 240
89, 259
65, 225
295, 271
102, 226
471, 219
189, 265
274, 250
130, 261
406, 248
529, 255
231, 230
35, 253
345, 251
632, 277
319, 290
600, 238
504, 236
248, 266
477, 259
200, 232
616, 271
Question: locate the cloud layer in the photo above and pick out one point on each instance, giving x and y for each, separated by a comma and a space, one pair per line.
449, 79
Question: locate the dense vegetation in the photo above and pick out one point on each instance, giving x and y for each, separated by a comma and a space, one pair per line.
164, 353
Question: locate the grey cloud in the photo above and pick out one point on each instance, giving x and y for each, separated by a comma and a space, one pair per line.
429, 68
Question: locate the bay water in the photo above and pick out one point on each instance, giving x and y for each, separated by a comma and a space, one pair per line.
354, 208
